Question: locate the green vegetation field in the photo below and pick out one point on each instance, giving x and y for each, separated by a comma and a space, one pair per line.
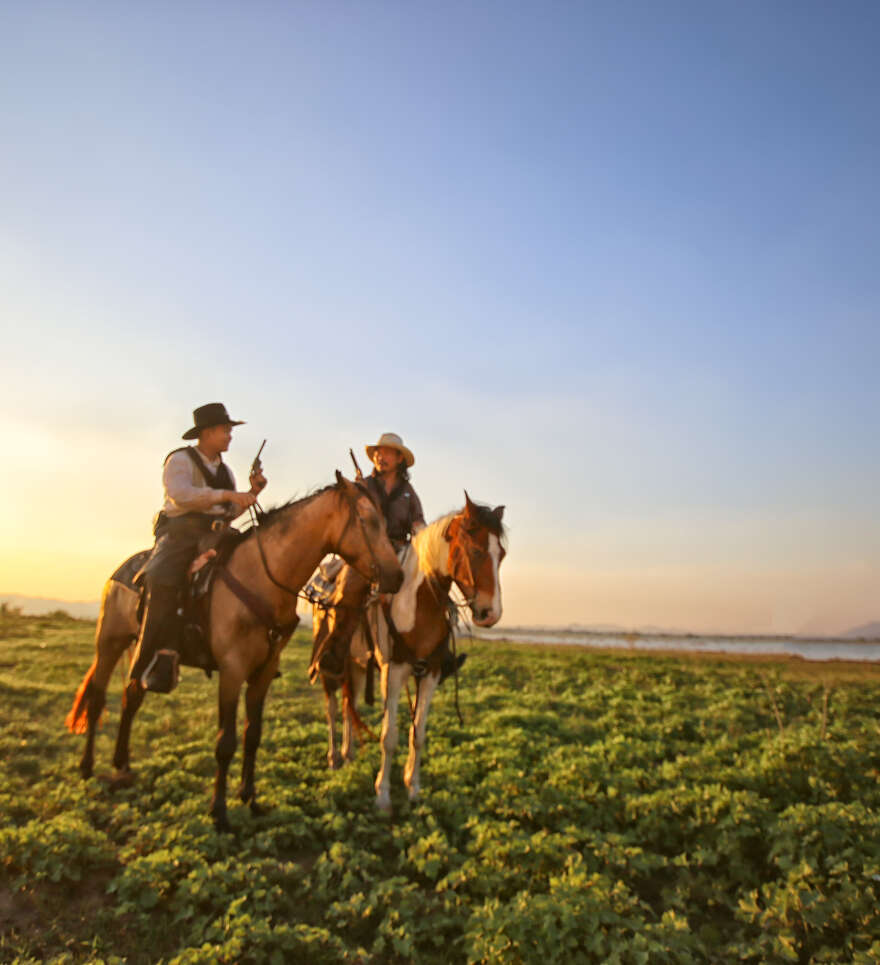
594, 807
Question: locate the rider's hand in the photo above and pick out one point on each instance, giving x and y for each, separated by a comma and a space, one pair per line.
257, 481
241, 501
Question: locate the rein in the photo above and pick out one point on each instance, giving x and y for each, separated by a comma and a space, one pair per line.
255, 526
278, 633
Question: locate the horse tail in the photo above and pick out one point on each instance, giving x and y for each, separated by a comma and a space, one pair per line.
77, 720
349, 708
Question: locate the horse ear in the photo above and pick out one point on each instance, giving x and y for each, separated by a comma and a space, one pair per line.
340, 479
452, 529
468, 505
498, 512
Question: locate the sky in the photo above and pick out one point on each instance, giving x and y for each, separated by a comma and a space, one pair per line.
613, 265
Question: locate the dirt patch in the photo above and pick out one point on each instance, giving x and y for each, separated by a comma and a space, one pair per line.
43, 917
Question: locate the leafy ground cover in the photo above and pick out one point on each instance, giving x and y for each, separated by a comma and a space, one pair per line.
594, 807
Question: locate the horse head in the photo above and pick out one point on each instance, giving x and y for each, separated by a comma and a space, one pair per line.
476, 549
363, 539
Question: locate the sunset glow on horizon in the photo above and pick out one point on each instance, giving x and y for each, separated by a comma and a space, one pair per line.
614, 267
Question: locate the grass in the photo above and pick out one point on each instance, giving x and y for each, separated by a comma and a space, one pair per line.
593, 807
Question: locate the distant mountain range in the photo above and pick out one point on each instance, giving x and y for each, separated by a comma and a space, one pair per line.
38, 605
80, 609
88, 610
868, 631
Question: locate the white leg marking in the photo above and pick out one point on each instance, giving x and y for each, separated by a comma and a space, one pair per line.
426, 688
393, 678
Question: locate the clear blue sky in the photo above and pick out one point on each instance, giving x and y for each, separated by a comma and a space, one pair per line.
614, 265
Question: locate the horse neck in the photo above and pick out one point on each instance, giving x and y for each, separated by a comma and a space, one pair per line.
428, 564
297, 541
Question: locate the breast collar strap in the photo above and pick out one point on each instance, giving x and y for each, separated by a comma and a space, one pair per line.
276, 632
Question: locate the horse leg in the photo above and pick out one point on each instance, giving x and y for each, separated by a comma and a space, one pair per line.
349, 733
224, 749
255, 697
95, 698
334, 759
426, 688
393, 678
117, 624
92, 696
132, 698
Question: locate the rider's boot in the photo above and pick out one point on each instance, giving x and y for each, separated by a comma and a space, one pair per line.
331, 662
155, 668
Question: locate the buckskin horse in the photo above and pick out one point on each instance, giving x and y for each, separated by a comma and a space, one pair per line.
251, 614
464, 547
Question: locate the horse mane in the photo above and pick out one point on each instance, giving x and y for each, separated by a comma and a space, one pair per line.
281, 513
430, 544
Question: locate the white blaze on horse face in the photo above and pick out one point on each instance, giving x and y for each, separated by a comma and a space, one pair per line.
493, 615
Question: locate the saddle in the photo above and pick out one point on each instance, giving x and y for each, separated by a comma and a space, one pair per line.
194, 639
190, 636
321, 587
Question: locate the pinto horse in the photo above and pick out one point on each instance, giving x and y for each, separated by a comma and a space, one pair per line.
466, 548
271, 562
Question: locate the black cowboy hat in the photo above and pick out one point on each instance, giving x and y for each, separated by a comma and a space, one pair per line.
212, 414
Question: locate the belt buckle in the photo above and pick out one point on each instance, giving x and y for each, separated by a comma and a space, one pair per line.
217, 525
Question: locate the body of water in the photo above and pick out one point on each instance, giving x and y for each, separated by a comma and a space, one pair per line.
808, 649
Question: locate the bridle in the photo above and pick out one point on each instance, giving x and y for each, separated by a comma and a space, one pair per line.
469, 548
352, 514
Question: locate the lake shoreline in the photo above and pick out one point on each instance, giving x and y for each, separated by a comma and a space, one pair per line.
808, 649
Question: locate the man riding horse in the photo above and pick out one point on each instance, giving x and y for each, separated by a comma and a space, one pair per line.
391, 489
200, 498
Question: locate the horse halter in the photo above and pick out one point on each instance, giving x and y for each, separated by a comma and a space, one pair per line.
354, 514
469, 548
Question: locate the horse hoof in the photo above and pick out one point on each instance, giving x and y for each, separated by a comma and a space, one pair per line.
259, 810
334, 762
245, 794
221, 824
85, 771
121, 779
384, 807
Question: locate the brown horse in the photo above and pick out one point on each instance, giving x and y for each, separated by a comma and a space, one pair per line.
465, 548
272, 563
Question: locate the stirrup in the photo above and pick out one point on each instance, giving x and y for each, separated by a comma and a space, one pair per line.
162, 672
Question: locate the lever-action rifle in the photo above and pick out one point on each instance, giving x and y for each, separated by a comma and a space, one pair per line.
357, 468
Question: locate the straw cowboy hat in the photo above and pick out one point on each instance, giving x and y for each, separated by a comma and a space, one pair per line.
393, 441
212, 414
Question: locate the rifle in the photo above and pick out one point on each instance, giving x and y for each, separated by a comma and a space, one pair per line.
357, 468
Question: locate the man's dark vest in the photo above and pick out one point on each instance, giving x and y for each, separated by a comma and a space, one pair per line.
399, 530
215, 480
